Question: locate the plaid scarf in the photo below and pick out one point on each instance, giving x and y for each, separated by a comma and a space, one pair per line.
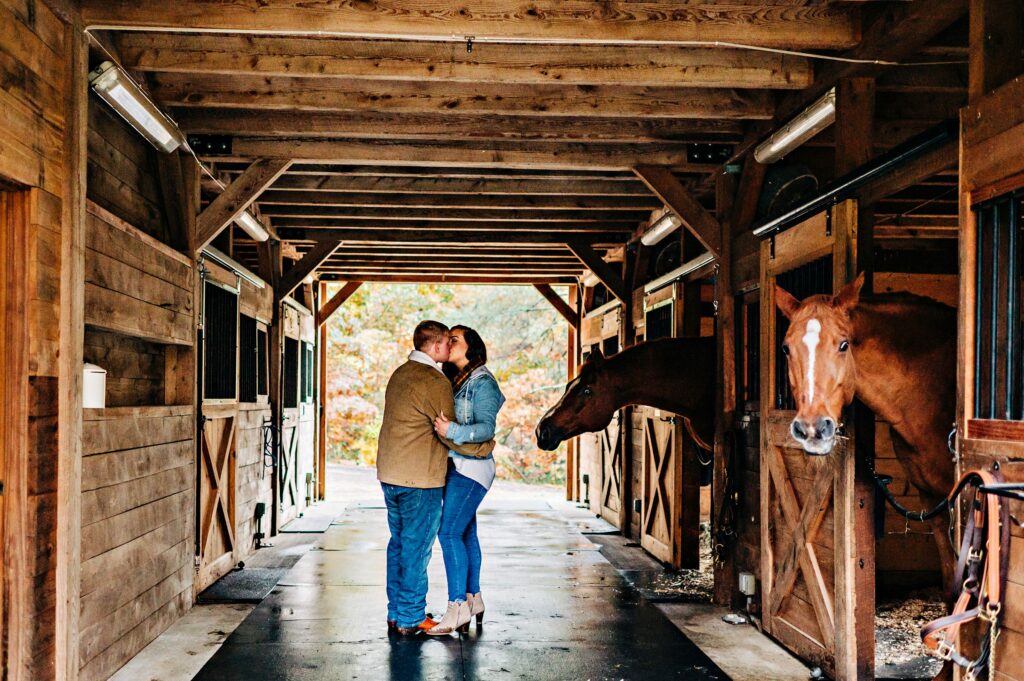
464, 373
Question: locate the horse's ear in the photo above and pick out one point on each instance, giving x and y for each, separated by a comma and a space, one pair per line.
849, 296
596, 357
785, 301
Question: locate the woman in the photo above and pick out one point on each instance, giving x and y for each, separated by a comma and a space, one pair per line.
477, 402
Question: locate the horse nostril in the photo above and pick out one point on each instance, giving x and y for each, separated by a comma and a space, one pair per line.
798, 430
826, 427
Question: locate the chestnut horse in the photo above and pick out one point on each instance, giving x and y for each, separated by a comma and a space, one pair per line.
674, 374
897, 354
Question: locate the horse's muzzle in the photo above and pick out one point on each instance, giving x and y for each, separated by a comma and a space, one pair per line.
548, 436
816, 439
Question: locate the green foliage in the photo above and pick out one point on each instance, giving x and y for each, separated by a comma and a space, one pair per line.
371, 334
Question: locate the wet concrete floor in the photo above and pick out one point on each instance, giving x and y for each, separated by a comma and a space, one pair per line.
556, 609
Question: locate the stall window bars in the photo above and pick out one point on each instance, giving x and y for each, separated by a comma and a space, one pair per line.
810, 279
248, 359
220, 342
999, 290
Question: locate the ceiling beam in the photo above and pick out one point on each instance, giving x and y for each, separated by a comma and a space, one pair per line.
462, 214
236, 198
465, 126
912, 173
614, 22
637, 65
456, 227
699, 221
313, 258
533, 186
593, 261
559, 304
565, 201
336, 301
451, 279
452, 99
525, 155
443, 237
432, 252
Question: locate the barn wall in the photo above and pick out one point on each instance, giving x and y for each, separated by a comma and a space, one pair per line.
138, 467
33, 92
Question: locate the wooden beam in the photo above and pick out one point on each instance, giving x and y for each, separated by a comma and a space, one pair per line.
465, 127
600, 268
996, 45
854, 127
566, 201
700, 222
321, 440
914, 172
411, 236
381, 186
559, 304
624, 224
336, 301
637, 65
450, 216
550, 21
68, 542
452, 279
552, 155
238, 196
313, 258
534, 101
398, 268
179, 223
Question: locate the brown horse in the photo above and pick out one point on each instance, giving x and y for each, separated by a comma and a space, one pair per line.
897, 354
674, 374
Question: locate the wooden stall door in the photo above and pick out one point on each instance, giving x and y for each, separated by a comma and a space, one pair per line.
808, 556
610, 444
216, 478
288, 468
661, 507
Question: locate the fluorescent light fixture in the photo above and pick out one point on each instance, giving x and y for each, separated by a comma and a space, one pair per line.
252, 226
806, 125
118, 90
661, 228
589, 279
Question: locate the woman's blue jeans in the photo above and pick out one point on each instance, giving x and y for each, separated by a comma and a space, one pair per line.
459, 543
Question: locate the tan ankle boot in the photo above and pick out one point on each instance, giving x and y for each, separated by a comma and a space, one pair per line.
476, 606
456, 618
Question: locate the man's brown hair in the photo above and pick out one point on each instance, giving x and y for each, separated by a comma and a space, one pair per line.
428, 331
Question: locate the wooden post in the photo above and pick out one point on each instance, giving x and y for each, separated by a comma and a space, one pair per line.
72, 330
270, 267
996, 45
321, 399
572, 465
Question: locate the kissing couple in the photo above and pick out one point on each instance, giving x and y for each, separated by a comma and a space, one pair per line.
435, 463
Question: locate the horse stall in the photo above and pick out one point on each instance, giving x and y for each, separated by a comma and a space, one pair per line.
601, 455
296, 477
990, 414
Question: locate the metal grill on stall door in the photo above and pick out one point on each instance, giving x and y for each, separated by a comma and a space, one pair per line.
806, 280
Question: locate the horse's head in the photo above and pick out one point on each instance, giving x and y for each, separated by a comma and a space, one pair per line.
587, 406
822, 372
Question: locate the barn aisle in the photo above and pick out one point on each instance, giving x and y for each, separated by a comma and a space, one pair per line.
557, 609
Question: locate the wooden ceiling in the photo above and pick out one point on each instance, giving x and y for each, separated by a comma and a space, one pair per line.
474, 141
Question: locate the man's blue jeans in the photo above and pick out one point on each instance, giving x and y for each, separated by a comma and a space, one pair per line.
413, 517
459, 542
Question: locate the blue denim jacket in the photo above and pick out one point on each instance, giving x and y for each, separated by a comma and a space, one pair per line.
476, 409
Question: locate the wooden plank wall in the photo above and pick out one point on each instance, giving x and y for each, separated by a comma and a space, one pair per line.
138, 496
33, 91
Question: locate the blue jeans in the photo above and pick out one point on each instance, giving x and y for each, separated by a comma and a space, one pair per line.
459, 543
413, 518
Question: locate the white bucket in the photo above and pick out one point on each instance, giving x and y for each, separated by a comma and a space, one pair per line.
94, 387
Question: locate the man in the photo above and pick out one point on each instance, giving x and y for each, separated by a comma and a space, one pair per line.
411, 466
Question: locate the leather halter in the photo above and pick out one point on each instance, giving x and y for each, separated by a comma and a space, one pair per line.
980, 578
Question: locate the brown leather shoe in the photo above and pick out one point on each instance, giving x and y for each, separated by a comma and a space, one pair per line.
407, 631
391, 625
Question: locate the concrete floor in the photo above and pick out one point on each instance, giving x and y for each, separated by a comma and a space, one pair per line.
557, 609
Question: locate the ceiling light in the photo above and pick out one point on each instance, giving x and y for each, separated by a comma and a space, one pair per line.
252, 226
661, 228
118, 90
806, 125
589, 279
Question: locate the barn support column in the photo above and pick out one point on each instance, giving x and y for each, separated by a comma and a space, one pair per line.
72, 329
270, 270
996, 45
572, 463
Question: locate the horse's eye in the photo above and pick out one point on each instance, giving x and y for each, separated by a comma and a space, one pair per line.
785, 350
844, 346
587, 391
